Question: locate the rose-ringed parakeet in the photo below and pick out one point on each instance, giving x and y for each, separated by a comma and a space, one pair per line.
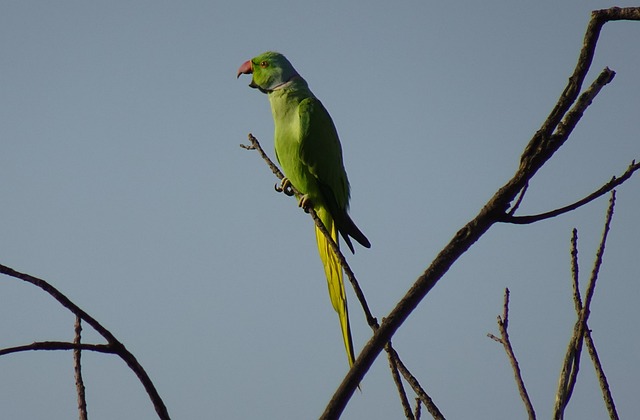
308, 149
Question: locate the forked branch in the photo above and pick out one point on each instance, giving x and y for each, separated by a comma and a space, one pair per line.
543, 145
571, 364
113, 345
503, 325
609, 186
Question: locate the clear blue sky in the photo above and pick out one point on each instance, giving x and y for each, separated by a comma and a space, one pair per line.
122, 183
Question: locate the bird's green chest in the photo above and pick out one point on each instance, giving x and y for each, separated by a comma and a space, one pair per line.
288, 150
286, 129
288, 145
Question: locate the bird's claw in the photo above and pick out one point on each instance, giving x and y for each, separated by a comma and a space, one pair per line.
284, 187
305, 203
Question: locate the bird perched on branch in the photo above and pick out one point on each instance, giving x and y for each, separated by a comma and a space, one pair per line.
308, 149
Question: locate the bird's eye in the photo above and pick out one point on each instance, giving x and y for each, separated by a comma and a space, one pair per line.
264, 64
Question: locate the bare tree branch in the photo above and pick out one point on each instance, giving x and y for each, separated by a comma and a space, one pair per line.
421, 393
614, 182
521, 195
398, 381
571, 364
503, 325
577, 300
115, 346
608, 398
562, 131
58, 345
539, 150
77, 368
602, 378
417, 409
599, 254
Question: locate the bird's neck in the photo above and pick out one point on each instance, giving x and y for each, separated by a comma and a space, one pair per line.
288, 95
295, 85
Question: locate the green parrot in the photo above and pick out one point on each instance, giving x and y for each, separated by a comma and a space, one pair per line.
308, 149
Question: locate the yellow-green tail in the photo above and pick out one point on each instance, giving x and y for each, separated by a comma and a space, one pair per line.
333, 272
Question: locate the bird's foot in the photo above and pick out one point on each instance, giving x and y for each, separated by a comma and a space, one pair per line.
305, 203
284, 187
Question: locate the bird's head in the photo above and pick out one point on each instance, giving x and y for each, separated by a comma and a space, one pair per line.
270, 71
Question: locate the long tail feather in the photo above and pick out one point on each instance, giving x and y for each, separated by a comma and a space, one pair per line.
333, 272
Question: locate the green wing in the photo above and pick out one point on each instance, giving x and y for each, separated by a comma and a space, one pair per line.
321, 152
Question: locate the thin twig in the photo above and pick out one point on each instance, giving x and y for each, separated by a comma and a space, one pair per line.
503, 325
608, 398
418, 413
417, 388
396, 379
255, 145
575, 274
577, 300
58, 345
614, 182
602, 378
570, 376
515, 207
77, 368
600, 253
569, 371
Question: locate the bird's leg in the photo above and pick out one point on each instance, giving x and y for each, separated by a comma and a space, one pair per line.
284, 187
305, 203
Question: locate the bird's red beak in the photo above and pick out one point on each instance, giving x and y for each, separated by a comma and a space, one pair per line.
245, 68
